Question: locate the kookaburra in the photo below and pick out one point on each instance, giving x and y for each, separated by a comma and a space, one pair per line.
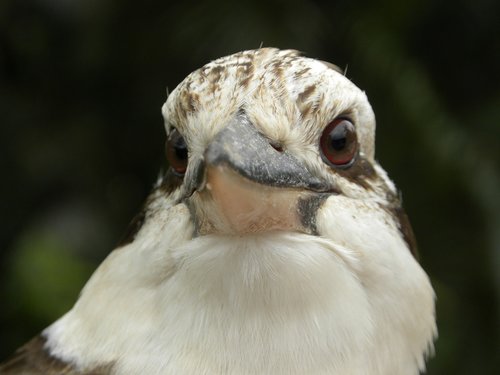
274, 244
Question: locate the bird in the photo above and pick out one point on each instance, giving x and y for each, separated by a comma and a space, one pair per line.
274, 243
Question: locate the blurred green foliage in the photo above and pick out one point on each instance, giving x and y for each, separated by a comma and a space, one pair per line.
42, 263
81, 137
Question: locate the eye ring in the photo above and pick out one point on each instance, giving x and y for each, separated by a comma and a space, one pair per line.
339, 143
177, 153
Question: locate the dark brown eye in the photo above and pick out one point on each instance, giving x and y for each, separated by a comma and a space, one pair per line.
177, 153
339, 143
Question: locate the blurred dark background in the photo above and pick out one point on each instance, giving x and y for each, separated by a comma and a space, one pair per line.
81, 136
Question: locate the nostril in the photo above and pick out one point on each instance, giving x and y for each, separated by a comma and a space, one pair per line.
277, 146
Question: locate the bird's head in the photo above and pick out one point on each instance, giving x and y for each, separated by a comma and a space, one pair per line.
260, 140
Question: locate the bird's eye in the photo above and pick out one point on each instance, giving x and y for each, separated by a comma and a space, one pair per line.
177, 153
339, 143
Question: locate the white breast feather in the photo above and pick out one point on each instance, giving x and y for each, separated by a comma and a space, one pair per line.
313, 303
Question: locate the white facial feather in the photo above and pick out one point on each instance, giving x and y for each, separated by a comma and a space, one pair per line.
349, 299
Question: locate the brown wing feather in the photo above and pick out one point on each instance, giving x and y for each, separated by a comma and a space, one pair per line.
33, 359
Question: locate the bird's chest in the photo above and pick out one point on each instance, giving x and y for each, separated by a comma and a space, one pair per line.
273, 304
246, 308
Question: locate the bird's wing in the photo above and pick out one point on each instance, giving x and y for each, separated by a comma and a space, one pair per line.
33, 359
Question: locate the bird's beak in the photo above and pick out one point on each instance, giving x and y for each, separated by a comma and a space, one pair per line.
241, 148
256, 186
